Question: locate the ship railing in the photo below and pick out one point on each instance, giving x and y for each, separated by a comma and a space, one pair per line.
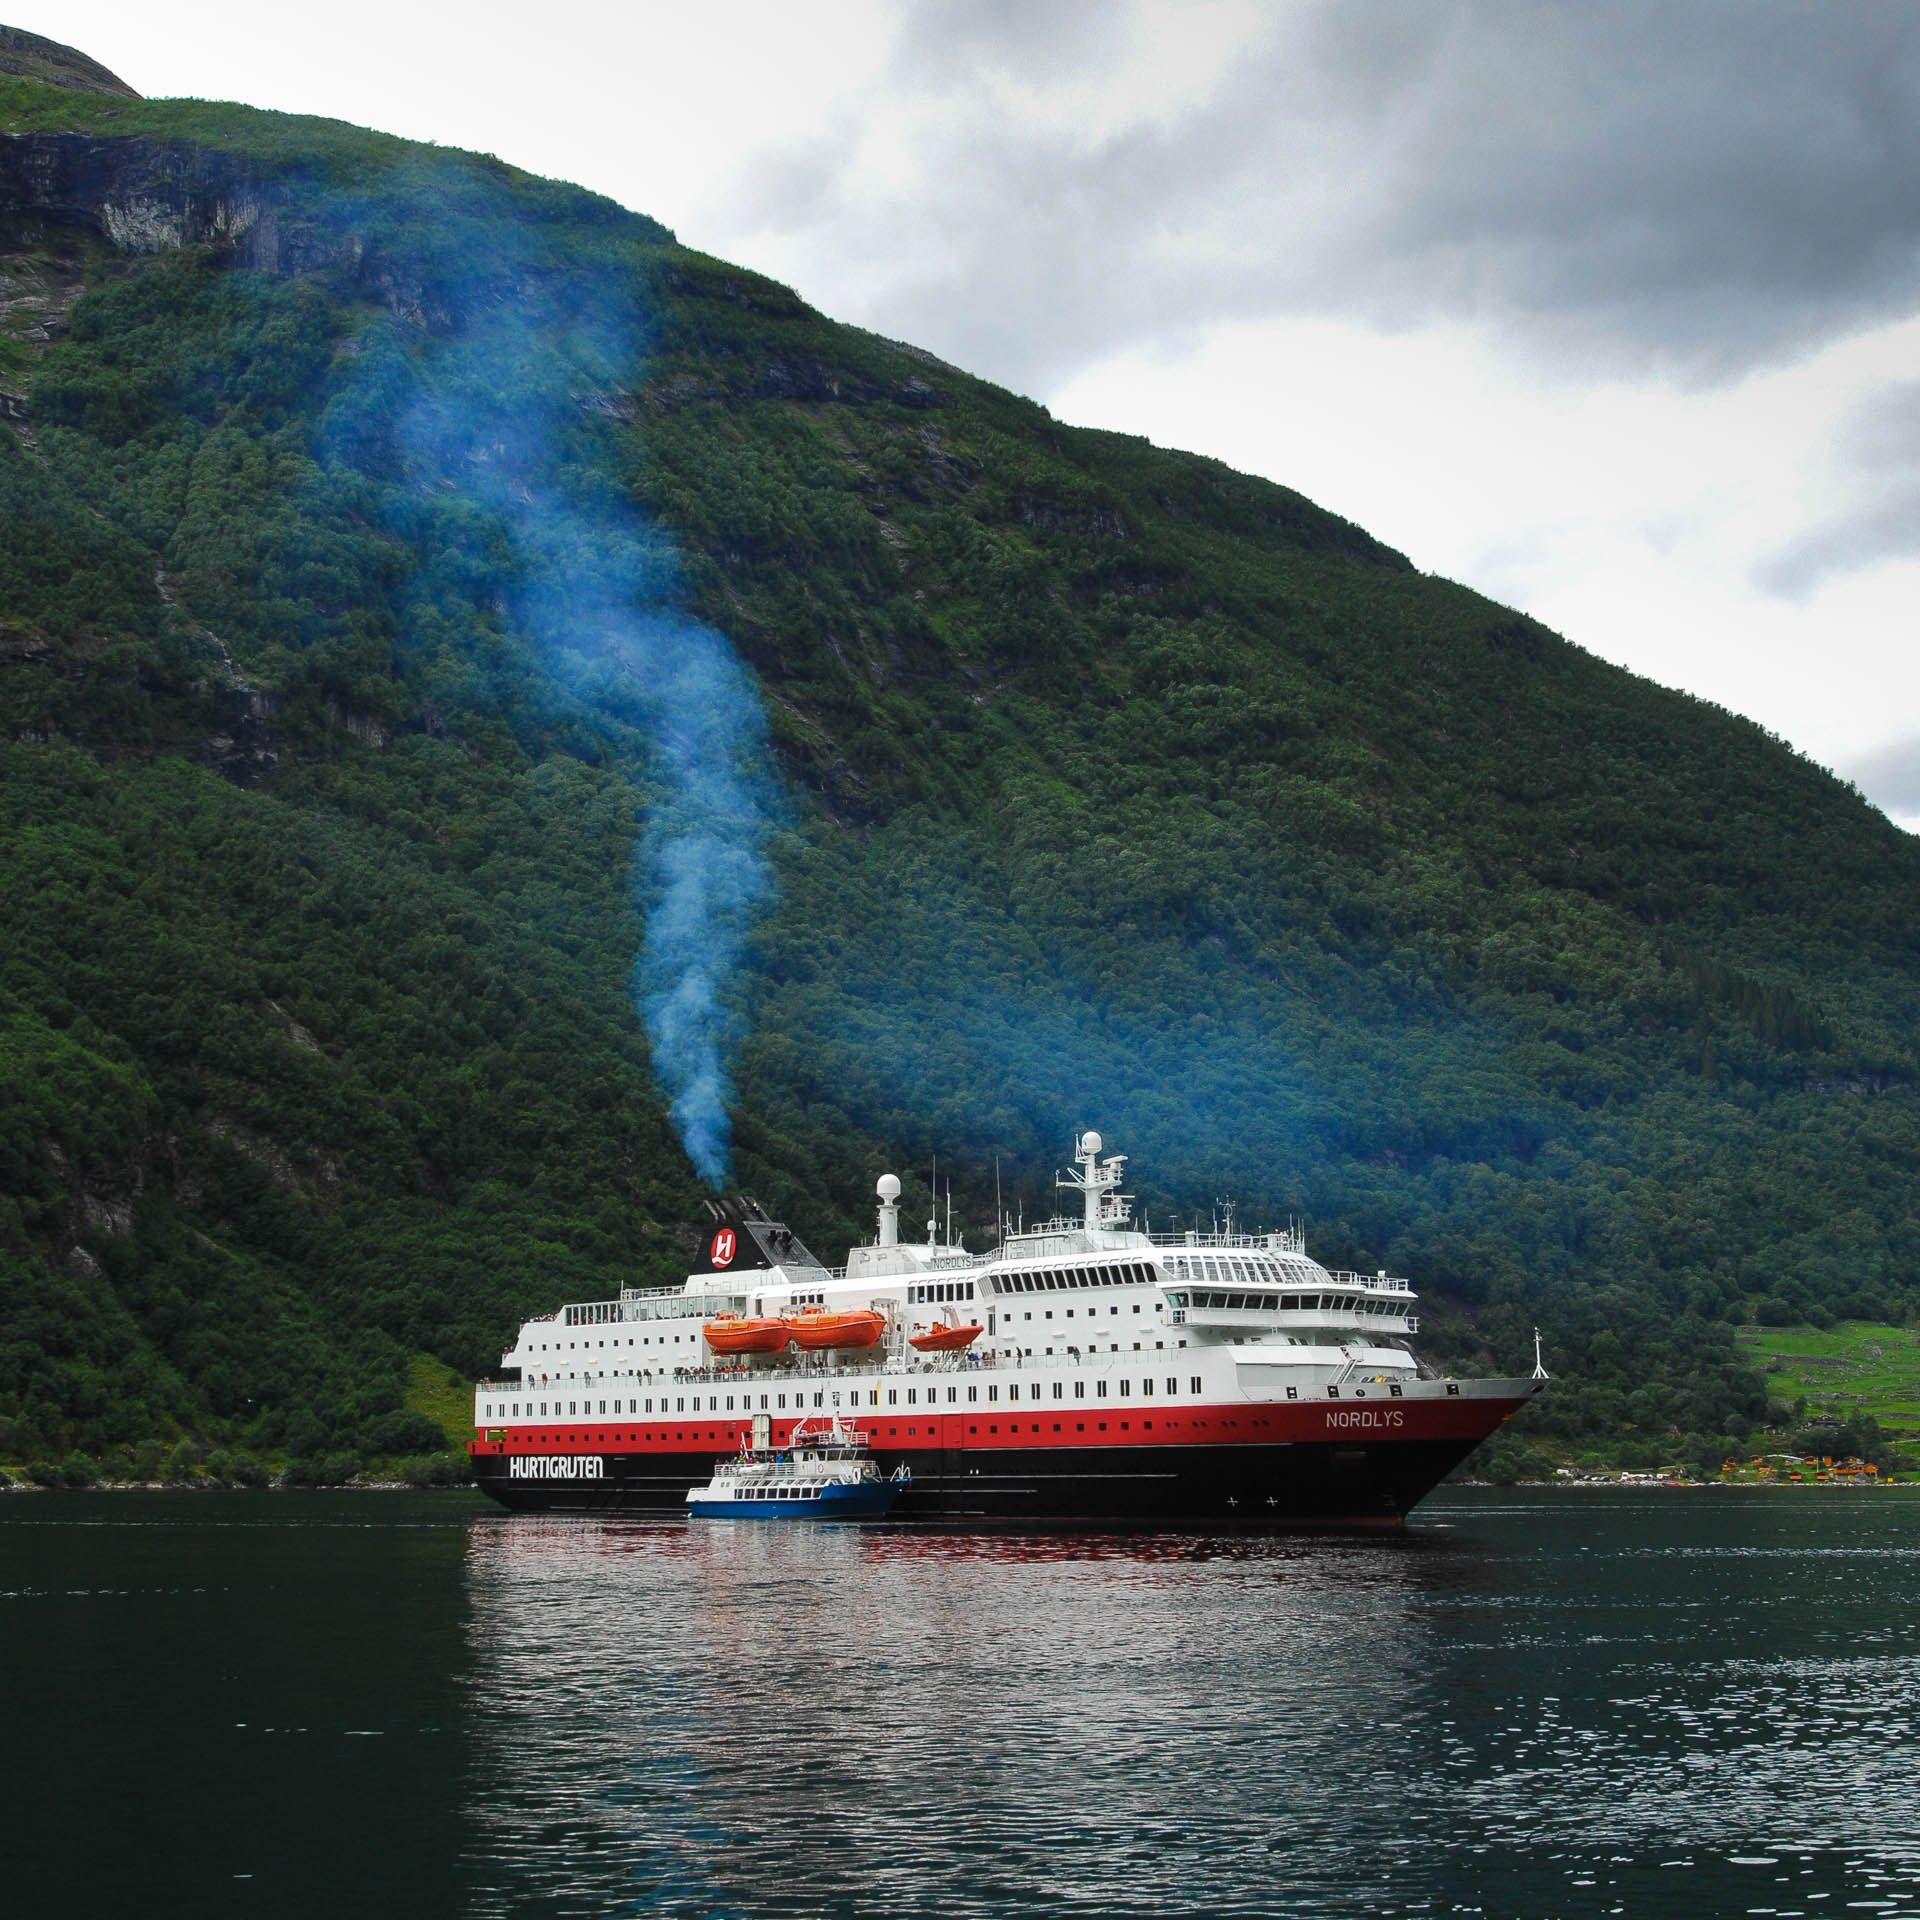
651, 1303
1287, 1240
1374, 1282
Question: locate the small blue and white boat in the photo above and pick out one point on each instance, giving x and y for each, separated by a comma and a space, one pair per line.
824, 1472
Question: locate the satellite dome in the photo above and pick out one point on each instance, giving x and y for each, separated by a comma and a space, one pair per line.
888, 1186
1090, 1142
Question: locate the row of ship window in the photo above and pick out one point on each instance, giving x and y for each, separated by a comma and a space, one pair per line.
1287, 1302
1128, 1273
510, 1410
644, 1340
1050, 1282
1252, 1269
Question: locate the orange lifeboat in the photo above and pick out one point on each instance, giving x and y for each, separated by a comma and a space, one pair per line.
945, 1339
815, 1330
735, 1333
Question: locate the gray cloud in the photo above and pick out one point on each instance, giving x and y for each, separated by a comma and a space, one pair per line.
1693, 190
1880, 446
1891, 778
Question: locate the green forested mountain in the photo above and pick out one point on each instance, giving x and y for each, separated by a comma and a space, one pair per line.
1072, 781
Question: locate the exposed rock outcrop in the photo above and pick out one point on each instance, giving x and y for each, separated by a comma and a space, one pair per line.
29, 57
142, 195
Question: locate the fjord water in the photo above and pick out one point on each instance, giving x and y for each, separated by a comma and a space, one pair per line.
1532, 1703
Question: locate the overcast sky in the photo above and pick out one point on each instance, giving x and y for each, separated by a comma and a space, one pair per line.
1612, 311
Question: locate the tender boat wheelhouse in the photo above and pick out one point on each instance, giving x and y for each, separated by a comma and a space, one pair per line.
1084, 1370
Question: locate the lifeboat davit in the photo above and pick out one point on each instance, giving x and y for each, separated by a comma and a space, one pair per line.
945, 1339
815, 1330
735, 1333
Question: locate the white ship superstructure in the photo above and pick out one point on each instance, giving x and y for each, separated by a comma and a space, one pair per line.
1113, 1372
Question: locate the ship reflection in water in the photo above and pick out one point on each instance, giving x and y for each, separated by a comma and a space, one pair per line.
1582, 1704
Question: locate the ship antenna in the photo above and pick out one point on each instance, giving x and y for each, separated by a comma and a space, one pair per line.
1539, 1365
999, 1213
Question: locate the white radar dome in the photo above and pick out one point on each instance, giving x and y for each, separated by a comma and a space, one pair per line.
1091, 1143
888, 1186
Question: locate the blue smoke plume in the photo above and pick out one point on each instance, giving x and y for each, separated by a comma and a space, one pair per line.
699, 871
497, 439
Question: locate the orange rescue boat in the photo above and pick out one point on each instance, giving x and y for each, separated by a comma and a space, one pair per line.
815, 1330
735, 1333
945, 1339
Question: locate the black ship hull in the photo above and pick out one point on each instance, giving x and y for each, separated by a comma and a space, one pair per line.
1253, 1484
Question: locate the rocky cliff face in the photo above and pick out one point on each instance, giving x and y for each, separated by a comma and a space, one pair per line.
30, 57
141, 195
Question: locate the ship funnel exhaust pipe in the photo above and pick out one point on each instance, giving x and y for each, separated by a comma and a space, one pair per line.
888, 1188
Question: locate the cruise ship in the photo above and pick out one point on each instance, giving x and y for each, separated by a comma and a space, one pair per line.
1082, 1371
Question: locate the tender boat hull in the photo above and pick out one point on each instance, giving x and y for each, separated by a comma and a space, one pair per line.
945, 1339
731, 1337
863, 1500
836, 1332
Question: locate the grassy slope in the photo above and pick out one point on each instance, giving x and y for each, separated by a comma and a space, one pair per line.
1852, 1367
1126, 789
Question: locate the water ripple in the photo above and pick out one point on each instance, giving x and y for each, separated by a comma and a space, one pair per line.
1546, 1709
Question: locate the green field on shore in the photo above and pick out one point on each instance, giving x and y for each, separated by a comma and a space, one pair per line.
1854, 1366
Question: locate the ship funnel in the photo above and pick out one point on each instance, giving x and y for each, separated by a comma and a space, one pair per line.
888, 1188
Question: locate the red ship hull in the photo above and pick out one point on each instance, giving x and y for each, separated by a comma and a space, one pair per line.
1251, 1463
